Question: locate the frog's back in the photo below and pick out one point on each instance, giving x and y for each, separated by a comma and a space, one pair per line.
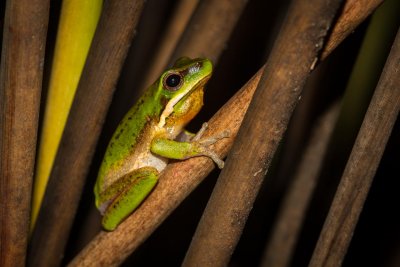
134, 130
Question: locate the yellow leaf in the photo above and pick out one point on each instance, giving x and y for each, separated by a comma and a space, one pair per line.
78, 21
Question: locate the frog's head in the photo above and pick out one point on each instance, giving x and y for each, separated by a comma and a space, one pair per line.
181, 89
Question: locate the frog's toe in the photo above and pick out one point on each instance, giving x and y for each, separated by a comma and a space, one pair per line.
213, 139
200, 133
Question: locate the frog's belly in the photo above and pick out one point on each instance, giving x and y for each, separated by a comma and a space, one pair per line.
148, 159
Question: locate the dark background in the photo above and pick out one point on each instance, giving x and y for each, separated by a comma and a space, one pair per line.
376, 238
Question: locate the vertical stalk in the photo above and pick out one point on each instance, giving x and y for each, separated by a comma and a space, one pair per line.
24, 42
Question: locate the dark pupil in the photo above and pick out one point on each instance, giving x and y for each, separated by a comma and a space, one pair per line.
173, 80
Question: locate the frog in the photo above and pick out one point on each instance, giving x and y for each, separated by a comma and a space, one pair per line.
150, 134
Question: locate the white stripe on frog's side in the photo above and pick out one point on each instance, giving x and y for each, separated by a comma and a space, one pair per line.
169, 108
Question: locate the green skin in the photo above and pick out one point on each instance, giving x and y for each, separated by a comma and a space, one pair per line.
146, 138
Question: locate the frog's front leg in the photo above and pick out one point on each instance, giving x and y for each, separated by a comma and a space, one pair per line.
183, 150
126, 194
187, 136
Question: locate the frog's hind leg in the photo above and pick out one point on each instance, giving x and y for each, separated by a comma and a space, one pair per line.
130, 191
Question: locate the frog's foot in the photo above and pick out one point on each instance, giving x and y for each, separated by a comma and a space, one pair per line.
211, 154
205, 142
213, 139
186, 136
209, 140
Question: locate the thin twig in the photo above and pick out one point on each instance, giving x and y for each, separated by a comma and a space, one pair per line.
22, 56
287, 227
105, 59
176, 182
361, 167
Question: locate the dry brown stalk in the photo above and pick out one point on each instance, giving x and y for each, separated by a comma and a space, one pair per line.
217, 19
22, 56
353, 13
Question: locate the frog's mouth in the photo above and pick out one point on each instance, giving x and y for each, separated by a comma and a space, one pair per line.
169, 108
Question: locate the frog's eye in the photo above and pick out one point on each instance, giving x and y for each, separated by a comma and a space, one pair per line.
173, 81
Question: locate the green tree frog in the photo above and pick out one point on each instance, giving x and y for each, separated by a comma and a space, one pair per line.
151, 133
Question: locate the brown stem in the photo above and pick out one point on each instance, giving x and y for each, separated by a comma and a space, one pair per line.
22, 56
93, 96
176, 182
287, 227
361, 166
217, 19
353, 13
